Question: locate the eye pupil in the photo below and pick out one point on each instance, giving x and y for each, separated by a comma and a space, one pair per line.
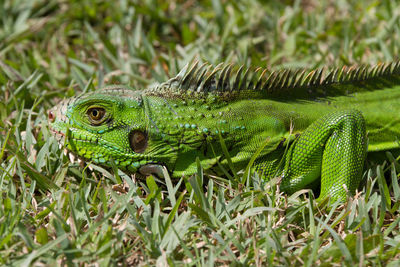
96, 115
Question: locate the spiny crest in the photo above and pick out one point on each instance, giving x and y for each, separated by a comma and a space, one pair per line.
225, 78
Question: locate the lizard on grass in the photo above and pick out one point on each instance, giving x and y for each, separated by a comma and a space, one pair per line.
307, 126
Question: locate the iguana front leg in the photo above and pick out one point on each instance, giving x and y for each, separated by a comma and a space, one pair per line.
333, 148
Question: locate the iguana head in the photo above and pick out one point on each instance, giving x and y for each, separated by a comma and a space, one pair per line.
110, 126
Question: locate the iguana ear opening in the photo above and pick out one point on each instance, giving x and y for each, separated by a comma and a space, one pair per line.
138, 141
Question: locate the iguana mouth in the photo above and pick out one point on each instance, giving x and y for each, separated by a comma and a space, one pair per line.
57, 114
59, 135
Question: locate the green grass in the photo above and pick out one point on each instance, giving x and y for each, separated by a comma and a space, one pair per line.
54, 211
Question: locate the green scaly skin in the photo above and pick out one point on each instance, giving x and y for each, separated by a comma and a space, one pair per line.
312, 124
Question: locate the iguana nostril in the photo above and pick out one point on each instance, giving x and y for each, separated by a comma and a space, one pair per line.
138, 141
51, 116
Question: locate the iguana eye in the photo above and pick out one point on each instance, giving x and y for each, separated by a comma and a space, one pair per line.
96, 115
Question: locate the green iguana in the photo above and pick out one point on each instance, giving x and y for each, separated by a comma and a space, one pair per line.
308, 126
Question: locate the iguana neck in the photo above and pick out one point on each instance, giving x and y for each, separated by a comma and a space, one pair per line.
181, 131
